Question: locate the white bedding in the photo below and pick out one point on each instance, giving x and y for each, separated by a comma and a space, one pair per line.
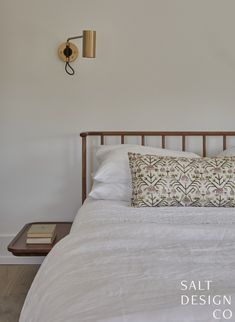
122, 264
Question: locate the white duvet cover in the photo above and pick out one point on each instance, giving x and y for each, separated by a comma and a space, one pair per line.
122, 264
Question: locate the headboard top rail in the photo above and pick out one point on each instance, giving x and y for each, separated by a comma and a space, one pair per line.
158, 133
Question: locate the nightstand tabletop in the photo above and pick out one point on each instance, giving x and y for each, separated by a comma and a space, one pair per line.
18, 246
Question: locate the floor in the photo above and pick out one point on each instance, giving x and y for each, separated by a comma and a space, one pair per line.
15, 281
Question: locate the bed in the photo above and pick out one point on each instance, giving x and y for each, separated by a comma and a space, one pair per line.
139, 264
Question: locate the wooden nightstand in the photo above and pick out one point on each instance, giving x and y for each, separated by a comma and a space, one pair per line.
18, 246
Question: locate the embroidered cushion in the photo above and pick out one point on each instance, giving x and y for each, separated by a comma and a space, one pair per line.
172, 181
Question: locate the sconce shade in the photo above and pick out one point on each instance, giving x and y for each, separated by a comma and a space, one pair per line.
89, 43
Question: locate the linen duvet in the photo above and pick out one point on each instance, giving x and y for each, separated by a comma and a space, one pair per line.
123, 264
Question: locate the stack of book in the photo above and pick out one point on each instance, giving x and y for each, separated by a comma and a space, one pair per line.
41, 234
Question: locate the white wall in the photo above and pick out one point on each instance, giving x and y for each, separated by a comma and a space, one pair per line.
161, 65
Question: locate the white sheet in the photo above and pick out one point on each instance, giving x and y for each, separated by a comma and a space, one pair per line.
122, 264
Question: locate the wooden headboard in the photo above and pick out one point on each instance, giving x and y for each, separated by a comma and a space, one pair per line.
143, 135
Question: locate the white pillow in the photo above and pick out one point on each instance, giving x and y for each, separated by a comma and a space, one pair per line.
227, 153
114, 162
111, 191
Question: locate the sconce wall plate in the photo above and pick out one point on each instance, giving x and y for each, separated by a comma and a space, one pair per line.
61, 52
68, 52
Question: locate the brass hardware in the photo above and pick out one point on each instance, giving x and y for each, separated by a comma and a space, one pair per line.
74, 54
68, 52
89, 44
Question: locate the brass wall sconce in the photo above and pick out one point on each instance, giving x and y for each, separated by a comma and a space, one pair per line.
68, 52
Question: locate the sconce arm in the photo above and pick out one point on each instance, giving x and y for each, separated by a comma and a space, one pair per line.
76, 37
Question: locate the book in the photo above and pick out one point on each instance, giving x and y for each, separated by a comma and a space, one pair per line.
42, 240
41, 231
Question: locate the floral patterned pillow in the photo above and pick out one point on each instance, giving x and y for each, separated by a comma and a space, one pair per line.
169, 181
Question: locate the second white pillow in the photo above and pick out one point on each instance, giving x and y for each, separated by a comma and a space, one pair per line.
230, 152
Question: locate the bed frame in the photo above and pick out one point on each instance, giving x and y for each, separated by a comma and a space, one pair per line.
143, 135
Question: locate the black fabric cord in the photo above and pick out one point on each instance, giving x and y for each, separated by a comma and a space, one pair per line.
69, 69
